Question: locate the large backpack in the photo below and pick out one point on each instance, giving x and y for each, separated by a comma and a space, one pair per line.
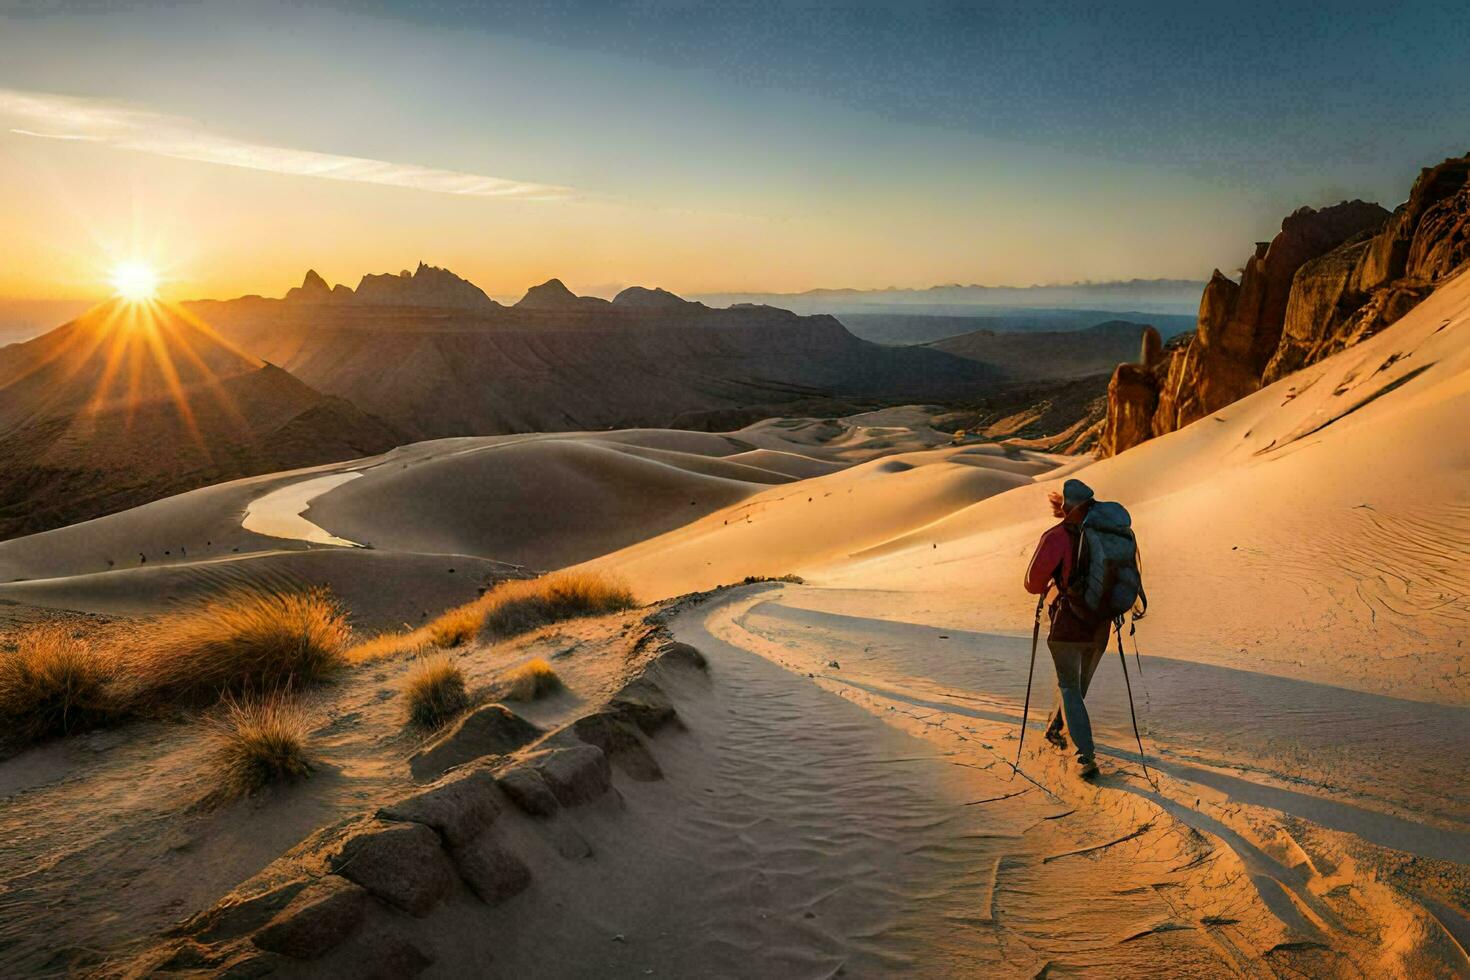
1106, 580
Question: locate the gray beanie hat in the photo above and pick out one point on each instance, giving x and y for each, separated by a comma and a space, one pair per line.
1075, 492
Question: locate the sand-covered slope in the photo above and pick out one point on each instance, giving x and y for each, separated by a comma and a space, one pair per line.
1314, 530
402, 535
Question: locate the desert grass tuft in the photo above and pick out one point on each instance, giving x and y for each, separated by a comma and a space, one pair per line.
435, 691
253, 641
531, 680
520, 606
511, 607
458, 626
55, 683
260, 743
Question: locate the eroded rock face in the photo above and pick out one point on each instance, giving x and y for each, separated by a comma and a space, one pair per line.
492, 871
491, 729
1329, 279
400, 863
459, 806
318, 919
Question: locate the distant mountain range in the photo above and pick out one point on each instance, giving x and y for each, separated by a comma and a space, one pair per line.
1180, 296
126, 404
432, 355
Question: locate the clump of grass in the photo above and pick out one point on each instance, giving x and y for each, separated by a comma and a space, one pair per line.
55, 683
248, 642
435, 691
458, 626
259, 743
519, 606
788, 578
531, 680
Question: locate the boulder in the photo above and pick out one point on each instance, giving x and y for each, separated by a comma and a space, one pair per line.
493, 872
676, 654
574, 773
491, 729
643, 703
620, 742
523, 784
319, 918
400, 863
459, 806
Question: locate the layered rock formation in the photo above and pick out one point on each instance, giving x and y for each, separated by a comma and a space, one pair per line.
1329, 279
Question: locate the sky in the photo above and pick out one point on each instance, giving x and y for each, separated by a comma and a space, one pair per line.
739, 146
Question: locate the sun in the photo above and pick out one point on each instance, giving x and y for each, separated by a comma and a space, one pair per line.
135, 281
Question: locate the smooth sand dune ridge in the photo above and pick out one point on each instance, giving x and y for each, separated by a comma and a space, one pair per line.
541, 501
788, 529
1316, 530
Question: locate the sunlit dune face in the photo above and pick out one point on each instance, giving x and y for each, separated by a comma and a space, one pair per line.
135, 282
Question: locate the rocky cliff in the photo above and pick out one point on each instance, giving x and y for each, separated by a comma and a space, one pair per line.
1329, 279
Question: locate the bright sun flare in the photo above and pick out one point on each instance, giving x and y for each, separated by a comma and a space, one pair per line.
135, 281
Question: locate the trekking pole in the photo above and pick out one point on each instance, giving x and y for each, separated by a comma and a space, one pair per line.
1133, 714
1030, 672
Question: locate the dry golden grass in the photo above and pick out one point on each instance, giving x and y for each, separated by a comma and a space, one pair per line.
247, 642
531, 680
55, 683
512, 607
520, 606
259, 743
458, 626
435, 691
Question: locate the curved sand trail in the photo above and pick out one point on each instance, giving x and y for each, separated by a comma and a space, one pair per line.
279, 513
1269, 873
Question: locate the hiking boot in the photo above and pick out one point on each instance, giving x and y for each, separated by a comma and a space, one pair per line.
1056, 738
1086, 768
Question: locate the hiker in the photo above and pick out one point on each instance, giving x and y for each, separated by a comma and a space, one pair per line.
1077, 638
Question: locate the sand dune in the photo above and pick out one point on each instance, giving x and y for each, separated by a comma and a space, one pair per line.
540, 501
1315, 530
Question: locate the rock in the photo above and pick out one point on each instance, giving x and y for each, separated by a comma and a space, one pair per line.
425, 286
643, 703
240, 914
676, 654
527, 790
319, 918
313, 289
1321, 295
553, 295
574, 774
642, 298
491, 729
1133, 397
400, 863
491, 870
459, 806
619, 741
1151, 348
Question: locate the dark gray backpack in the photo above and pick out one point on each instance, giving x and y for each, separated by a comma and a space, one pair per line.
1106, 580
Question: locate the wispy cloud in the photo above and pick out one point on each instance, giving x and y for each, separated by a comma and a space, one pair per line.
63, 117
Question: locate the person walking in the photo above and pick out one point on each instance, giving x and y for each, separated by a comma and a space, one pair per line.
1077, 639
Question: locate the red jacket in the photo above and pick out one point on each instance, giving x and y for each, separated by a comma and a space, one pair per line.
1052, 564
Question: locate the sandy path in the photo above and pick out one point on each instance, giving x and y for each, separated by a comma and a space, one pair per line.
799, 835
1276, 892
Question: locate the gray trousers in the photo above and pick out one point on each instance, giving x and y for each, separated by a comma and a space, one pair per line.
1075, 664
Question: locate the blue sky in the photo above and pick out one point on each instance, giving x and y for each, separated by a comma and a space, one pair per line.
747, 145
